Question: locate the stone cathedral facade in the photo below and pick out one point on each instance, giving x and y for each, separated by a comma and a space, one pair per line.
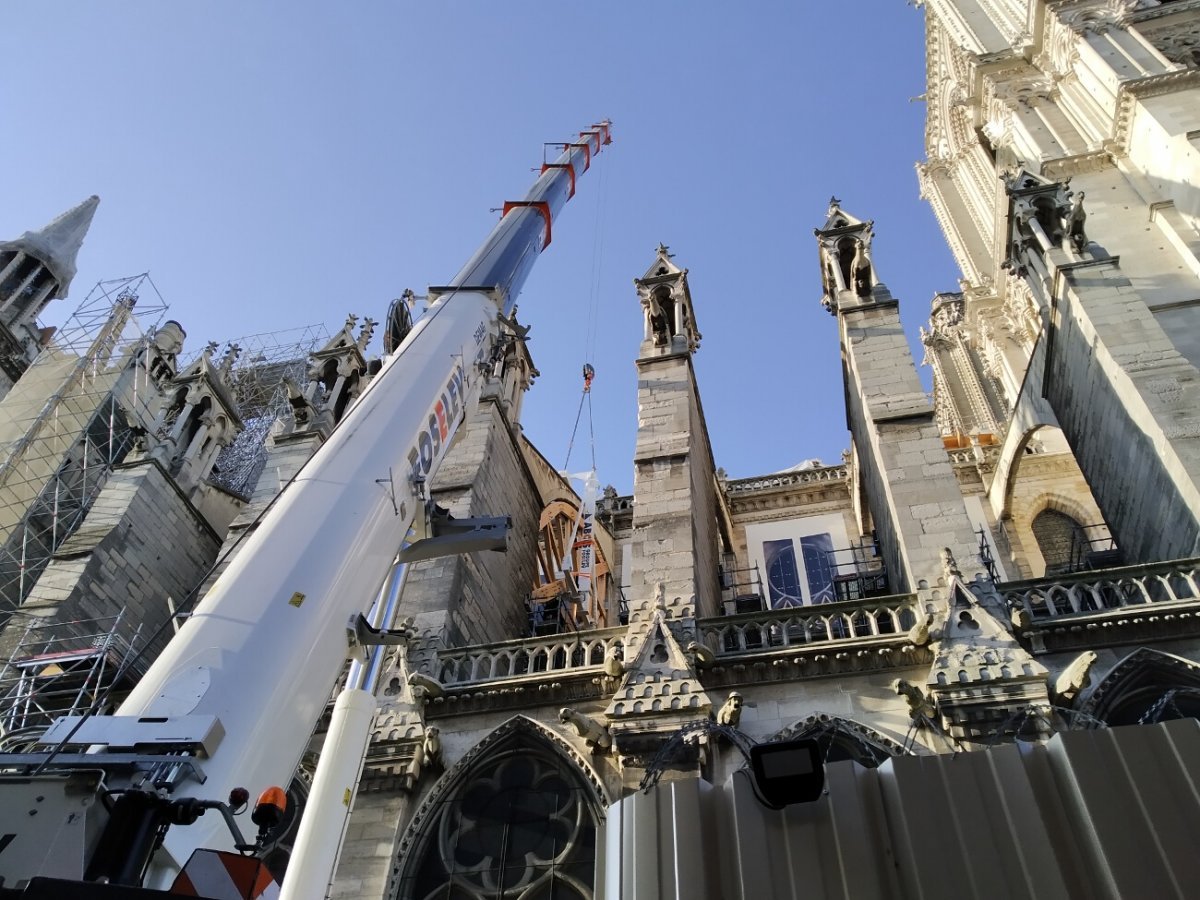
986, 582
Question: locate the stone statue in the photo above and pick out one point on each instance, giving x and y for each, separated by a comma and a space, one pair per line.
1074, 222
425, 688
950, 564
614, 667
860, 270
592, 733
302, 408
730, 713
702, 657
432, 747
660, 595
1074, 678
662, 317
920, 704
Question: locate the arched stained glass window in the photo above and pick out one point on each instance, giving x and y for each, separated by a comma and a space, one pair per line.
521, 825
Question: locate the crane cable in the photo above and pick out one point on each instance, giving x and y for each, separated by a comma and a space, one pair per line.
593, 320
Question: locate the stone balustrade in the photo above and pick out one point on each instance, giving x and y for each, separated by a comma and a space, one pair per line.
787, 479
829, 623
1088, 593
527, 658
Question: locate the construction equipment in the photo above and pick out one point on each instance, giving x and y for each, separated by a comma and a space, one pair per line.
232, 699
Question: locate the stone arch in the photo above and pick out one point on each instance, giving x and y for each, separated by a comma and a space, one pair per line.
843, 738
1016, 500
519, 736
1138, 682
1008, 466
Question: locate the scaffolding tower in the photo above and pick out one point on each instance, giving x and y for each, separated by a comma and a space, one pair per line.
73, 416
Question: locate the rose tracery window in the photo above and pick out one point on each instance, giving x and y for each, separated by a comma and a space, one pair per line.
521, 826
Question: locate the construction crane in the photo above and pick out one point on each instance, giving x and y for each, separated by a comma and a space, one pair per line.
233, 698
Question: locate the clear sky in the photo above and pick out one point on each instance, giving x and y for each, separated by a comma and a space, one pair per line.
279, 164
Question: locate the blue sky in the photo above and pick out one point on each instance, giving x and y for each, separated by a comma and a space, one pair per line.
275, 165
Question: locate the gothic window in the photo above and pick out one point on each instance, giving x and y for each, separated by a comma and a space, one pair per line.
1056, 536
783, 576
1147, 686
520, 826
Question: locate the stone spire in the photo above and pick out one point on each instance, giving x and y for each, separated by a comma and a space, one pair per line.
57, 244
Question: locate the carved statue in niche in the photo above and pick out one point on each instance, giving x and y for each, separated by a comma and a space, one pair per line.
661, 310
860, 269
1074, 221
303, 411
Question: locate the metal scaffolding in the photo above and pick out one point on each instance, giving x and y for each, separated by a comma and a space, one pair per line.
73, 416
257, 386
63, 668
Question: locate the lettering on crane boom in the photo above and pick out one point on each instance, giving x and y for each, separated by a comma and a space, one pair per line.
433, 439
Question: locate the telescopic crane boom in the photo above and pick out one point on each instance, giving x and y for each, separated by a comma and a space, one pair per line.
262, 650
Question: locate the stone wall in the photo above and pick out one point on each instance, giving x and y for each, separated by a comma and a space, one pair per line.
1129, 405
141, 543
706, 537
913, 493
479, 597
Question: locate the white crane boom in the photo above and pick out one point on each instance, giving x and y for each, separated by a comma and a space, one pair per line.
263, 648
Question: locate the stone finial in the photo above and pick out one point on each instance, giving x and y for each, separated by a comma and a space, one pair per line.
351, 321
664, 250
730, 713
364, 336
596, 736
229, 359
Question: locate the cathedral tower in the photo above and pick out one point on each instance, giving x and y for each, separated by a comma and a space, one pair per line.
902, 467
674, 520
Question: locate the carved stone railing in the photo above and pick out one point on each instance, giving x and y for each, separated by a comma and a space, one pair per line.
857, 621
616, 505
972, 456
788, 479
528, 659
1088, 593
